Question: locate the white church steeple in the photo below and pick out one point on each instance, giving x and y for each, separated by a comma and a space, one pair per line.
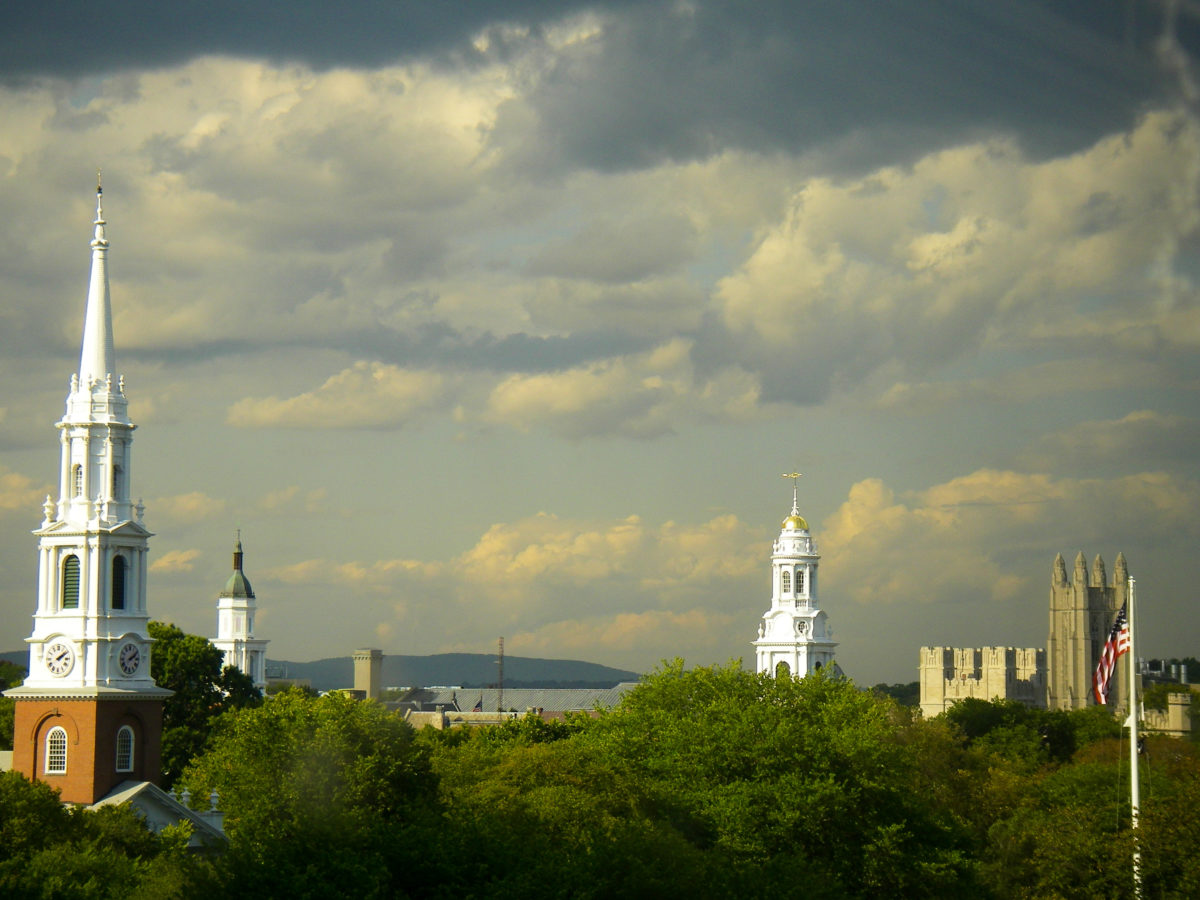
90, 625
794, 632
89, 716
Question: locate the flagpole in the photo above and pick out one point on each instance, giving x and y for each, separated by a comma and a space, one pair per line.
1132, 722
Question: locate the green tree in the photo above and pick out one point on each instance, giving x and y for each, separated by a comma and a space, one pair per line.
787, 778
190, 666
11, 675
48, 850
322, 796
532, 810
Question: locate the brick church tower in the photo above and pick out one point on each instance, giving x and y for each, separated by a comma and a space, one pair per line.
89, 716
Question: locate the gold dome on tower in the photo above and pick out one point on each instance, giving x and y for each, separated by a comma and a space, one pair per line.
795, 522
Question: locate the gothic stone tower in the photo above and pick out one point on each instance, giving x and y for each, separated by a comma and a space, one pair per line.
89, 715
235, 625
793, 633
1081, 614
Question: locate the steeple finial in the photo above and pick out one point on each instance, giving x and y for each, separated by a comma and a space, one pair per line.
795, 476
98, 358
237, 552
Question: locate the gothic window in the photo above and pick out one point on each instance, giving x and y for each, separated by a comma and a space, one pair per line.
787, 581
77, 480
118, 582
799, 581
124, 749
56, 752
70, 582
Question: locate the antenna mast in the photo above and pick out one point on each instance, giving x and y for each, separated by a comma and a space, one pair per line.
500, 677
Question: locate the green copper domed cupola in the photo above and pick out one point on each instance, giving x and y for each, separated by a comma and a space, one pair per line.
238, 584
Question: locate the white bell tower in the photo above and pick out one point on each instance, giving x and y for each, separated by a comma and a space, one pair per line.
794, 631
235, 624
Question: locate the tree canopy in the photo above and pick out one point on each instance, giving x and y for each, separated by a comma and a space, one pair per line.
191, 666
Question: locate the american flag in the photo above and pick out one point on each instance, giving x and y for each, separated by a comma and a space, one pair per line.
1117, 643
478, 704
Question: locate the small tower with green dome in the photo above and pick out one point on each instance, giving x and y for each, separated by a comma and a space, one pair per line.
236, 608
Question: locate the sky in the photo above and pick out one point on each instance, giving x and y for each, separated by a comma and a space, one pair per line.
504, 319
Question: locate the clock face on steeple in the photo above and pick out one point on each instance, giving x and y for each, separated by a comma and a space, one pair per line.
129, 659
60, 658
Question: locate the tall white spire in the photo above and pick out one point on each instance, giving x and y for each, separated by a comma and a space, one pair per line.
98, 359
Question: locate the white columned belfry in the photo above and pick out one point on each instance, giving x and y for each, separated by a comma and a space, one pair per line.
236, 608
794, 632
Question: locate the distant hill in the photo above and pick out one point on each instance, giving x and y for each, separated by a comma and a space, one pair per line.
463, 669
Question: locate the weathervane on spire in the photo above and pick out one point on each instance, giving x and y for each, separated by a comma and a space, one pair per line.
795, 476
99, 239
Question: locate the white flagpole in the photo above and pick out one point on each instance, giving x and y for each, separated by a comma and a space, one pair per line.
1132, 722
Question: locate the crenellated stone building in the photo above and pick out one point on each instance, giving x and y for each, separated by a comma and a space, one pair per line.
1082, 609
949, 674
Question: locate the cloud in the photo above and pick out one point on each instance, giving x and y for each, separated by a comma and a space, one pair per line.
680, 81
619, 251
292, 501
975, 246
1020, 386
1145, 437
952, 543
18, 491
639, 395
186, 509
366, 395
175, 561
547, 577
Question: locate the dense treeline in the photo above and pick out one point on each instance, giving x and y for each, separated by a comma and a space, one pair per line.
710, 782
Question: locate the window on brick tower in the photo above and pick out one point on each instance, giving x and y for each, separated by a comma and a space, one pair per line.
56, 752
124, 749
70, 582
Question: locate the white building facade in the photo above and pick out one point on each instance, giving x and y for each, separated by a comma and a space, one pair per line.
794, 637
236, 608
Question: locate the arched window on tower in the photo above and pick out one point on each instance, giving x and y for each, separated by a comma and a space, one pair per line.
118, 478
786, 581
799, 581
783, 670
124, 749
118, 582
56, 752
77, 480
70, 582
